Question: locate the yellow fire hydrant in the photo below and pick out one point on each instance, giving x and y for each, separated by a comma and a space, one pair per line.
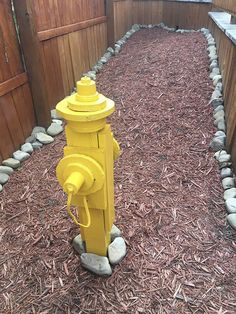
86, 171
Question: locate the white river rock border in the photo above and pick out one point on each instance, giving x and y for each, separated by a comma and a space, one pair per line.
11, 164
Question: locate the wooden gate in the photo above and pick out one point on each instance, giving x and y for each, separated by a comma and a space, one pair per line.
16, 108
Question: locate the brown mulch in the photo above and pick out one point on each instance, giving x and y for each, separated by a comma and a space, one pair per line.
181, 253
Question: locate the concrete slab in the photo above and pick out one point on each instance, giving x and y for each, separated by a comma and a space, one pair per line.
222, 20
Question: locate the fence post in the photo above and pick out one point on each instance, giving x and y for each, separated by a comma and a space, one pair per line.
110, 22
33, 59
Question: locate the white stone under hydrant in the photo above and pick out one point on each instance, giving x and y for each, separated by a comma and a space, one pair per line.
97, 264
117, 250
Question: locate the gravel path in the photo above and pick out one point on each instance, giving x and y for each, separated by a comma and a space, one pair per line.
181, 254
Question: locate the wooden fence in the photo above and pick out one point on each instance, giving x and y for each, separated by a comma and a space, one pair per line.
60, 41
172, 13
16, 108
226, 5
227, 59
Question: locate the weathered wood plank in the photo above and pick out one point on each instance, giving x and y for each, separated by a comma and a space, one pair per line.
59, 31
13, 83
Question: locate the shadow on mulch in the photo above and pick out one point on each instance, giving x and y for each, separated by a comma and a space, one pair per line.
181, 254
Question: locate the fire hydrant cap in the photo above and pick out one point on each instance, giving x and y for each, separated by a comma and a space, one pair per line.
87, 98
87, 104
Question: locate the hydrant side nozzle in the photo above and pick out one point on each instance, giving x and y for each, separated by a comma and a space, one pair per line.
73, 183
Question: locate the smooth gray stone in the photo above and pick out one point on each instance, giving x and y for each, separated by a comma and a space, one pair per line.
116, 250
230, 205
219, 86
97, 264
111, 50
7, 170
54, 129
3, 178
209, 37
90, 75
38, 129
37, 145
221, 126
217, 121
216, 94
21, 156
30, 139
219, 114
78, 244
96, 68
136, 27
120, 43
213, 64
117, 51
228, 183
219, 153
181, 31
219, 108
108, 55
44, 138
55, 115
232, 220
211, 48
224, 158
214, 72
217, 143
57, 121
220, 133
230, 193
226, 172
216, 102
217, 79
205, 30
11, 162
115, 232
103, 60
211, 43
225, 164
1, 188
27, 148
213, 57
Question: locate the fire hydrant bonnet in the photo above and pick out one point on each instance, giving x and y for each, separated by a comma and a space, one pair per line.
87, 104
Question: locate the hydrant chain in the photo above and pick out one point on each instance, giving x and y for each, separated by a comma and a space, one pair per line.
73, 217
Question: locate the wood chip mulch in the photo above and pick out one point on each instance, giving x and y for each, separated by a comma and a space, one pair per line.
169, 205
